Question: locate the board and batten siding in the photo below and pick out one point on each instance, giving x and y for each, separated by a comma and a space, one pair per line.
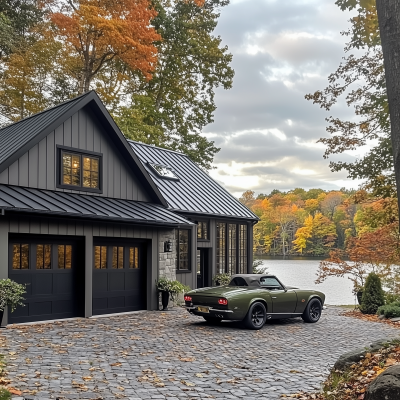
37, 168
85, 231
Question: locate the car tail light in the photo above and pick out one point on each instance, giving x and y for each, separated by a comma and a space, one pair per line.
188, 298
224, 302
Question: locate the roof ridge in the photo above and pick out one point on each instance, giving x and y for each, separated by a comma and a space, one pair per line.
47, 109
157, 147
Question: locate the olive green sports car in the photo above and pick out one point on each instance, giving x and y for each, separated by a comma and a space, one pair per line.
254, 298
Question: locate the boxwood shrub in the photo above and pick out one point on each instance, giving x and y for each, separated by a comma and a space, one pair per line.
391, 310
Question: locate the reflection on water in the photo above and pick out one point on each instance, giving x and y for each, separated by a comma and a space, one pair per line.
301, 272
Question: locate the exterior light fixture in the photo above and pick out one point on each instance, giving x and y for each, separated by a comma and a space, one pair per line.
168, 246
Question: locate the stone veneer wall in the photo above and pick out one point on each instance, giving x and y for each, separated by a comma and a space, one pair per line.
167, 264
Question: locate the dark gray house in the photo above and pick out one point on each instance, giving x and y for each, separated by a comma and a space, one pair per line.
90, 220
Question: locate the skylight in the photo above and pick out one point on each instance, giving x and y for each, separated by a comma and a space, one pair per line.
163, 171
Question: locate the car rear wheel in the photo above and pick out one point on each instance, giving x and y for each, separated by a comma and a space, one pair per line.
256, 316
313, 311
212, 320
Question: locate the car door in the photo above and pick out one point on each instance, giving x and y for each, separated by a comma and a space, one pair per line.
283, 301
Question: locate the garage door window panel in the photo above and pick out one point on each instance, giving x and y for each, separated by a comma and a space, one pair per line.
100, 257
43, 256
117, 257
20, 256
64, 256
133, 258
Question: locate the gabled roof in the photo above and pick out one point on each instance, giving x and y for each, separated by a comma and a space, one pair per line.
18, 138
16, 198
195, 191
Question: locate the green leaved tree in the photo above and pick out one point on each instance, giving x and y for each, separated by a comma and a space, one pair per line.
172, 108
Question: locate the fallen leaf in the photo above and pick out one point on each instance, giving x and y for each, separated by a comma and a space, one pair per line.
117, 364
87, 378
187, 383
14, 391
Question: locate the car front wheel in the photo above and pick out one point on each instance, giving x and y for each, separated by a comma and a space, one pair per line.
313, 311
256, 316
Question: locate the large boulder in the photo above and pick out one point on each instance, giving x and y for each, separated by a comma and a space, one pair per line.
350, 358
354, 356
385, 386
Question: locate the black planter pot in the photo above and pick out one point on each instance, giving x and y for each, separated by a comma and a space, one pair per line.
359, 296
164, 300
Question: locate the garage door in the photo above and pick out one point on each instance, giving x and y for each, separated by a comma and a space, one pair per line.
54, 280
118, 278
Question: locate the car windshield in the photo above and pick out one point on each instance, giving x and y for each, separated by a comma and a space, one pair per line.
238, 281
271, 283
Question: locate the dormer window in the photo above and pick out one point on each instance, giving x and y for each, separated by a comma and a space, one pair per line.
80, 171
163, 171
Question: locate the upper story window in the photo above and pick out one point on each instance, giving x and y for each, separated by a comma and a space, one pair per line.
80, 171
202, 230
163, 171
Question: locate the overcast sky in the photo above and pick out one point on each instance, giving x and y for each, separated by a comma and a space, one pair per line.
267, 131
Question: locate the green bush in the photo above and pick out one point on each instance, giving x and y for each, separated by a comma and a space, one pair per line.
391, 310
373, 295
11, 294
5, 394
391, 298
222, 279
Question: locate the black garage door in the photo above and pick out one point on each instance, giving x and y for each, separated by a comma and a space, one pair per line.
55, 281
118, 277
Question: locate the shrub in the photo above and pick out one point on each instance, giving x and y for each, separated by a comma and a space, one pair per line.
11, 294
173, 287
222, 279
391, 310
373, 296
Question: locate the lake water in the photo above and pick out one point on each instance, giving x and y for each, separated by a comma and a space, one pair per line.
301, 273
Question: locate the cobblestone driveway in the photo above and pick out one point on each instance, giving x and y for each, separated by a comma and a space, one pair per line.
155, 355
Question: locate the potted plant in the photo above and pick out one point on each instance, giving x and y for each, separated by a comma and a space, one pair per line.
169, 288
221, 279
11, 294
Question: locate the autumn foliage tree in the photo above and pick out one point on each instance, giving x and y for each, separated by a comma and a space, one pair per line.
97, 32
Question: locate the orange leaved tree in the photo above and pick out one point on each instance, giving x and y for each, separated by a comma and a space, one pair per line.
97, 32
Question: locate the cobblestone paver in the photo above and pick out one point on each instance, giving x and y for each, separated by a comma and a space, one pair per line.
173, 355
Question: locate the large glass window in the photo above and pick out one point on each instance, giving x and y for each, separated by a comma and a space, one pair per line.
182, 250
232, 257
242, 249
43, 256
80, 170
100, 257
64, 256
232, 246
202, 230
221, 247
20, 256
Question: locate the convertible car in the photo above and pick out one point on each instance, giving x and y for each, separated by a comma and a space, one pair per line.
254, 298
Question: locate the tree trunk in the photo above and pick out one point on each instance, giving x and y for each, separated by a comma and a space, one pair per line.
389, 26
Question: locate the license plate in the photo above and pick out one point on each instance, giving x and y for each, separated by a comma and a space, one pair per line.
203, 309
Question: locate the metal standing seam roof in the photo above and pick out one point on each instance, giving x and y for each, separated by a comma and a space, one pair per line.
195, 191
15, 136
16, 198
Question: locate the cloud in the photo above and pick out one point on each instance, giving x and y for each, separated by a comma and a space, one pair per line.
267, 131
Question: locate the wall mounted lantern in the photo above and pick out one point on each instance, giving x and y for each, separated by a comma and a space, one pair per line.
168, 246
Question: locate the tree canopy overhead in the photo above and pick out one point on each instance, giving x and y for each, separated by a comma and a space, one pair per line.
361, 81
155, 64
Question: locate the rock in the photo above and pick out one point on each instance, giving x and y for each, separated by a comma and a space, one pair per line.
386, 386
350, 358
395, 319
382, 317
378, 344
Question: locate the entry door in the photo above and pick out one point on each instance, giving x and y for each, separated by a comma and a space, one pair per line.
202, 268
118, 278
55, 282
